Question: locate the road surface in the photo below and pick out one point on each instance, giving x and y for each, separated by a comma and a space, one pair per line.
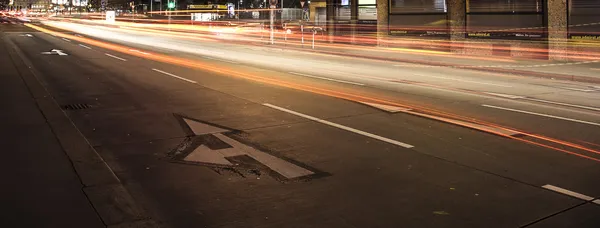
203, 134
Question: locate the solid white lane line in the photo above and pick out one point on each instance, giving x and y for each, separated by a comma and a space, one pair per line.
540, 100
223, 60
116, 57
462, 80
564, 104
85, 46
175, 76
596, 201
65, 39
328, 79
544, 115
569, 193
505, 95
391, 141
578, 89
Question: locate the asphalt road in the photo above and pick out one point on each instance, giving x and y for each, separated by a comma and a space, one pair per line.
368, 167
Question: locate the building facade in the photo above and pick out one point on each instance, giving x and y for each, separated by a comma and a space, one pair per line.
551, 24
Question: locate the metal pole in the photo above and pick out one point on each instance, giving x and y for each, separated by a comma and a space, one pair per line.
150, 14
302, 31
272, 18
313, 43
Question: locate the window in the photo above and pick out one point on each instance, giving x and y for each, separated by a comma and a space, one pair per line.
343, 13
424, 18
367, 12
507, 6
584, 16
418, 6
505, 19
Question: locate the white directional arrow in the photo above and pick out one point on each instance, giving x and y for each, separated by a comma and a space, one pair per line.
54, 52
59, 52
206, 155
27, 35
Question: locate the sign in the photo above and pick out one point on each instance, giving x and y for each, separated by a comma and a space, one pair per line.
80, 2
215, 146
273, 2
204, 16
60, 2
110, 16
54, 52
302, 3
515, 35
103, 5
207, 6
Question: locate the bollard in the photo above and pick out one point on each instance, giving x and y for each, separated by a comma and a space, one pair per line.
302, 31
313, 43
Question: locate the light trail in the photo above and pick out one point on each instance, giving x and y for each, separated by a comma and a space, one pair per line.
531, 51
323, 91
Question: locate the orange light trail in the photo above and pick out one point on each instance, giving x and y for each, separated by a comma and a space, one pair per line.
319, 90
531, 51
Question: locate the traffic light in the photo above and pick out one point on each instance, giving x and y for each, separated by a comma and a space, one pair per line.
171, 4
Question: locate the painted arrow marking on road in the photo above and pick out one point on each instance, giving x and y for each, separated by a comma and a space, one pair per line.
54, 52
230, 147
27, 35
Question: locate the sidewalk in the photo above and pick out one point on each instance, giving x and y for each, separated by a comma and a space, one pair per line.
40, 186
584, 71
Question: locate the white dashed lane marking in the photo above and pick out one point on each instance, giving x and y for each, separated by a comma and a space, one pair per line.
339, 126
116, 57
175, 76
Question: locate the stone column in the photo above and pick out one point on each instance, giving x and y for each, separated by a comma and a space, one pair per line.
353, 20
457, 24
331, 4
383, 15
557, 29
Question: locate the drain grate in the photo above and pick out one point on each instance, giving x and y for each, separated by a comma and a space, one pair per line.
76, 106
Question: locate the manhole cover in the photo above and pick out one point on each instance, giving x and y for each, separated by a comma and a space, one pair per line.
76, 106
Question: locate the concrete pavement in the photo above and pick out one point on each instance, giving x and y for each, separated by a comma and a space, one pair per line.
453, 177
40, 185
56, 178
